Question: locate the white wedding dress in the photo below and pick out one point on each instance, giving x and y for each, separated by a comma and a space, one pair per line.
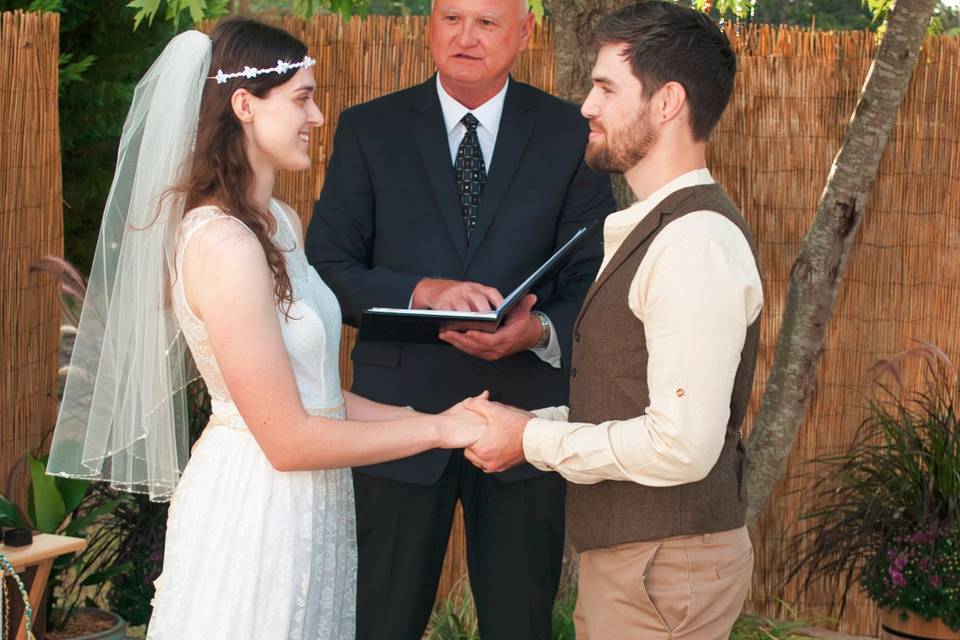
253, 553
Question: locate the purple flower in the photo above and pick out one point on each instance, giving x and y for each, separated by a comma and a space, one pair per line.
898, 578
936, 581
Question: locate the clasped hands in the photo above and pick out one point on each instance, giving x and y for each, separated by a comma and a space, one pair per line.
498, 446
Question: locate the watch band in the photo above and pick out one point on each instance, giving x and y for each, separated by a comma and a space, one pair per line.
544, 330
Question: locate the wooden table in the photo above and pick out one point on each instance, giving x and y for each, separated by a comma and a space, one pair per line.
34, 562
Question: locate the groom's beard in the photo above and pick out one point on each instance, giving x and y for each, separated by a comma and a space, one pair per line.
618, 151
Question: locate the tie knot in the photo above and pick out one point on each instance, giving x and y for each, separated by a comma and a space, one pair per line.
470, 122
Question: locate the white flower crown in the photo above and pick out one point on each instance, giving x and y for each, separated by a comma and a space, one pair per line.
251, 72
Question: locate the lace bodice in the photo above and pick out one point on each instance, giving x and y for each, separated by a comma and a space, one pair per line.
311, 334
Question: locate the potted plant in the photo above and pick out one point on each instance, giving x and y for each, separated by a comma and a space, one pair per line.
77, 581
886, 512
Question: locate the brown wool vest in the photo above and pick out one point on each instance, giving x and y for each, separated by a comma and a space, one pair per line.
609, 382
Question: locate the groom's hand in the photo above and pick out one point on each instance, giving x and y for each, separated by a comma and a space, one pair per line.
501, 446
519, 332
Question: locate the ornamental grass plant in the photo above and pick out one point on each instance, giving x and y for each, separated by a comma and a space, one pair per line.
885, 513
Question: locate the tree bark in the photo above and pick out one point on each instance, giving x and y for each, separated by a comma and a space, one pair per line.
573, 22
818, 270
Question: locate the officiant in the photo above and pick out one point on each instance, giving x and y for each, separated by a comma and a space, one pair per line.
447, 195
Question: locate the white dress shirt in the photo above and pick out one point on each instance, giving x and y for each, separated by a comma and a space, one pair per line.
696, 291
488, 114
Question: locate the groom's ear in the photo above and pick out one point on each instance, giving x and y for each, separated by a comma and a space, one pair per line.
242, 103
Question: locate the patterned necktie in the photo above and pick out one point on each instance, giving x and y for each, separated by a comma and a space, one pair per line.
471, 173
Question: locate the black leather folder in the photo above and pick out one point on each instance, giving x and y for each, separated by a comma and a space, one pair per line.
423, 325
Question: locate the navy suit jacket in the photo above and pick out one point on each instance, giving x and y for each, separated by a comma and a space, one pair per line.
389, 216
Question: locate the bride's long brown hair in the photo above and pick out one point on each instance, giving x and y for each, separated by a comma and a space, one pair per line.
219, 171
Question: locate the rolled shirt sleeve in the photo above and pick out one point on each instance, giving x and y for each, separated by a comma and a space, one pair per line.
696, 292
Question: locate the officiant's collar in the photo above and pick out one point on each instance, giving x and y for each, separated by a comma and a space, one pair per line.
488, 113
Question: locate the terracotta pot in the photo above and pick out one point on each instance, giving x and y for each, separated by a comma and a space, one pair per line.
915, 628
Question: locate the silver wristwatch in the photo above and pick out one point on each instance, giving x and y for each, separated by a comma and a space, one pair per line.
544, 330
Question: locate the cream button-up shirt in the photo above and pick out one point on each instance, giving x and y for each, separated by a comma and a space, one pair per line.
696, 291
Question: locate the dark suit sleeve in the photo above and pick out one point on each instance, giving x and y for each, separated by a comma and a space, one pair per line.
339, 240
589, 196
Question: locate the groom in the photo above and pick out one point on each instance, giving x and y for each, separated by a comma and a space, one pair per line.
664, 350
445, 196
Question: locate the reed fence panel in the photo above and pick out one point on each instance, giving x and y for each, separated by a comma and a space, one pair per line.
31, 226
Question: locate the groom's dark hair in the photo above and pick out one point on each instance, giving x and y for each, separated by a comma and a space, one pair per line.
669, 43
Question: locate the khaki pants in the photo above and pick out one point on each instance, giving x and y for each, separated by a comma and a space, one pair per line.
682, 588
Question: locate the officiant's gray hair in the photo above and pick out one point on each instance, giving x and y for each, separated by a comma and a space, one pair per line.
524, 6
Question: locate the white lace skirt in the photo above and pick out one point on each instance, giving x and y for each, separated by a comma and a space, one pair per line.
253, 553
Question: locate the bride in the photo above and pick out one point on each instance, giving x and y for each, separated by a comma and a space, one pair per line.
195, 252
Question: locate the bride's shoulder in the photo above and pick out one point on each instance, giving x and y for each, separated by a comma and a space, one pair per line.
210, 220
219, 239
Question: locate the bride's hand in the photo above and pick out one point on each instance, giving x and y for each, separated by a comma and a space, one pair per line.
460, 427
460, 410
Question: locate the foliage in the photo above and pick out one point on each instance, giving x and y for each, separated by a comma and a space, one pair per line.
67, 507
919, 573
826, 15
751, 627
888, 500
197, 9
200, 9
455, 617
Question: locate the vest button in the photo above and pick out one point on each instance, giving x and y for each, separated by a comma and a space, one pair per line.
576, 336
573, 372
680, 393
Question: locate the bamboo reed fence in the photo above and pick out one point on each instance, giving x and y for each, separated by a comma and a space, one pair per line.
794, 96
772, 151
31, 226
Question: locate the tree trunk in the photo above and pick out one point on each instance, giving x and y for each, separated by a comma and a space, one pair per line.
573, 22
818, 269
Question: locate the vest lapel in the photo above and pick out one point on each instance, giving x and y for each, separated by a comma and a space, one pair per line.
636, 239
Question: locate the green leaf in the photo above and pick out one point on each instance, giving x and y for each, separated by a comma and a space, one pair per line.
99, 577
53, 6
145, 9
77, 525
73, 491
538, 12
10, 515
73, 71
197, 9
46, 500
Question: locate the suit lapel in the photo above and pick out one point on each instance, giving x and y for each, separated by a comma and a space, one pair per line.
516, 126
430, 136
